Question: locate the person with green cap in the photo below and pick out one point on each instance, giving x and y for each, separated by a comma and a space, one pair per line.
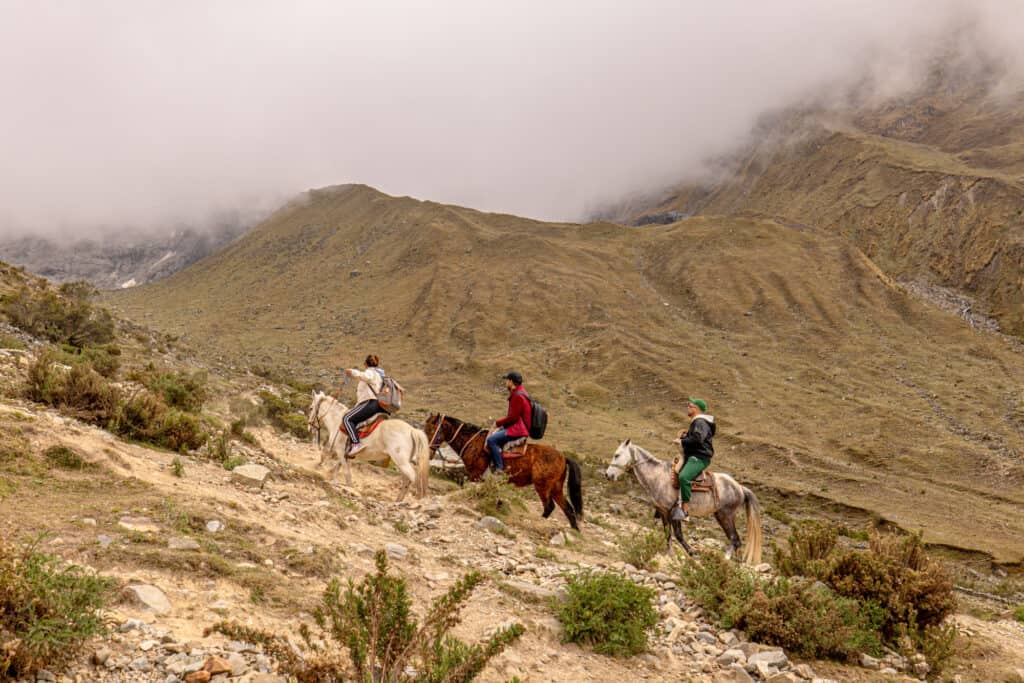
697, 452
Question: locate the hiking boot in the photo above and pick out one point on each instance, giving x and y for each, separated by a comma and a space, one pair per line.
679, 514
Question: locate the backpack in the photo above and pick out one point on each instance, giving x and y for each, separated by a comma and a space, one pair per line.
389, 397
538, 420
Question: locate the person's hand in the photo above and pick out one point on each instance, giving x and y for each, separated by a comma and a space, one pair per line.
677, 440
348, 372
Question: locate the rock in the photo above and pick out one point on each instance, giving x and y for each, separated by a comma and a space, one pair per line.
396, 551
804, 671
728, 638
433, 509
149, 597
251, 475
104, 540
869, 662
492, 524
45, 676
763, 669
615, 509
100, 656
763, 568
130, 625
670, 610
88, 521
216, 665
238, 664
362, 549
888, 671
198, 677
558, 539
147, 645
266, 678
775, 658
142, 664
706, 637
730, 656
182, 543
732, 675
214, 525
748, 649
221, 605
921, 669
140, 524
535, 591
784, 677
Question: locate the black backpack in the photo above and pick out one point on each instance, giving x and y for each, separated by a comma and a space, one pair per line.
538, 420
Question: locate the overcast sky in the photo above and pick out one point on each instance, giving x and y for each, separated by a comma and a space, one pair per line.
150, 114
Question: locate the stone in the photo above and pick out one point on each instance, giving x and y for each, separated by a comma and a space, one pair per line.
100, 656
775, 658
45, 676
535, 591
140, 524
182, 543
748, 649
198, 677
921, 669
142, 664
252, 476
732, 675
869, 662
804, 671
148, 597
730, 656
888, 671
763, 669
433, 509
104, 540
362, 549
130, 625
492, 524
396, 551
88, 521
147, 645
217, 665
214, 525
706, 637
558, 539
238, 664
266, 678
784, 677
670, 610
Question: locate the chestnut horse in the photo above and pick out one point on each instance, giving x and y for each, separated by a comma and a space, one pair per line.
542, 466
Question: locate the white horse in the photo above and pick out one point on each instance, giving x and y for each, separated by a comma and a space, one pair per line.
406, 445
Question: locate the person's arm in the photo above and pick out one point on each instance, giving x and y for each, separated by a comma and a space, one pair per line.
363, 375
515, 411
697, 434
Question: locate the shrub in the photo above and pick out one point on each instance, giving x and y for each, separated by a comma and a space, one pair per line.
78, 389
1018, 613
810, 545
608, 612
178, 467
283, 415
492, 497
65, 316
47, 610
144, 417
641, 549
180, 390
181, 431
62, 456
373, 621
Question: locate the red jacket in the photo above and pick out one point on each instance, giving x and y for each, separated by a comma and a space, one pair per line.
520, 414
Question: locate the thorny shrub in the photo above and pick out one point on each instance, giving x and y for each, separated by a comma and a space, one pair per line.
64, 316
608, 612
48, 610
373, 622
640, 550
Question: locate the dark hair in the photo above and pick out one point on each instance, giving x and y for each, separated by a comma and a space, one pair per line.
516, 378
372, 361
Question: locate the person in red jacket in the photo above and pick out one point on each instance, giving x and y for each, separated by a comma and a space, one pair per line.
513, 426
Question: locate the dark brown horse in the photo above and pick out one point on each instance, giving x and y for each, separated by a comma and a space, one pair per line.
542, 466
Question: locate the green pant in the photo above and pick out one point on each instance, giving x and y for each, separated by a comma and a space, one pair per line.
691, 470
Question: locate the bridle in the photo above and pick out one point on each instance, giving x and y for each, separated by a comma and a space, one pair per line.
435, 445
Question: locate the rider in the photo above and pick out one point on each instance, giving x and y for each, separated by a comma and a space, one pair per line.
370, 382
513, 426
697, 451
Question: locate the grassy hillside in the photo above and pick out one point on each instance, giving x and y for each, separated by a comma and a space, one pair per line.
829, 380
930, 187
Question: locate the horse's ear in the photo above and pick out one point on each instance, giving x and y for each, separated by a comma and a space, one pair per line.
626, 442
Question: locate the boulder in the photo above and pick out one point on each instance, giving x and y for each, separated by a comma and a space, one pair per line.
182, 543
774, 658
198, 677
492, 524
784, 677
214, 525
140, 524
730, 656
396, 551
251, 475
217, 665
869, 662
148, 597
732, 675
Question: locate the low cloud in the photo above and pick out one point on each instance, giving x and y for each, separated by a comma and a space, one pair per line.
144, 115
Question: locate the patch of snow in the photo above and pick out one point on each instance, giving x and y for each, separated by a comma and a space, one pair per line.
162, 259
128, 284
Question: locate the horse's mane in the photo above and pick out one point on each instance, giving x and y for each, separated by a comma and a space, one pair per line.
465, 425
646, 453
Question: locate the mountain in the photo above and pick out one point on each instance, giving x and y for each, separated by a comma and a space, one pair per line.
116, 260
930, 186
834, 386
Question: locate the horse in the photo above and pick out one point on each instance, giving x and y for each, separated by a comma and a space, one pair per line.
656, 477
405, 445
542, 466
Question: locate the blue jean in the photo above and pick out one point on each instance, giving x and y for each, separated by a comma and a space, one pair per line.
494, 443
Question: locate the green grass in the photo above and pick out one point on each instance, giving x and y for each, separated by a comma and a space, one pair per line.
642, 549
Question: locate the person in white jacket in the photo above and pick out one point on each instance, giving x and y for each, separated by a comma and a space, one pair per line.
370, 382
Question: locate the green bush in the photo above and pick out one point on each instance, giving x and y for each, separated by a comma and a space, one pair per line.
284, 415
608, 612
65, 316
47, 610
64, 457
808, 550
178, 467
181, 390
78, 390
1018, 613
373, 622
180, 431
640, 550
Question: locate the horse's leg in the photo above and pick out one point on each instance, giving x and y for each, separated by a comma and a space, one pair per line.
549, 505
677, 531
665, 528
561, 501
727, 521
348, 470
409, 473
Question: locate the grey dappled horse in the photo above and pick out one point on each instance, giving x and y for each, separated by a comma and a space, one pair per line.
656, 477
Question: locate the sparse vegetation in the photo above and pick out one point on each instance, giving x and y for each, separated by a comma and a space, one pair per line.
373, 622
492, 497
178, 467
48, 610
608, 612
1018, 613
64, 457
284, 415
64, 316
641, 550
833, 601
184, 391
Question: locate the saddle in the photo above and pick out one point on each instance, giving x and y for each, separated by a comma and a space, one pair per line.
514, 449
704, 481
367, 427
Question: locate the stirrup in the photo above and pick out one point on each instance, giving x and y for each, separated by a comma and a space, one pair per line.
679, 514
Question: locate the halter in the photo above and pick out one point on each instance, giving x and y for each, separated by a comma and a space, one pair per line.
435, 444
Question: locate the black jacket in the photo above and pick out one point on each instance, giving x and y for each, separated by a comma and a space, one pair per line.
696, 442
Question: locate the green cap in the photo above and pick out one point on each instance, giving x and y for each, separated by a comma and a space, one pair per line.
700, 403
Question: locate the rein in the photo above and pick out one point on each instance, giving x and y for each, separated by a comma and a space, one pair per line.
434, 445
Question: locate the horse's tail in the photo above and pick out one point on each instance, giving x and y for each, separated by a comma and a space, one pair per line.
421, 456
752, 551
575, 486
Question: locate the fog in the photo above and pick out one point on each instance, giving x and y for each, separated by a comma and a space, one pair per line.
146, 115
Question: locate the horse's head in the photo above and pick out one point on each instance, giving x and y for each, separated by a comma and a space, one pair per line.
621, 461
437, 430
